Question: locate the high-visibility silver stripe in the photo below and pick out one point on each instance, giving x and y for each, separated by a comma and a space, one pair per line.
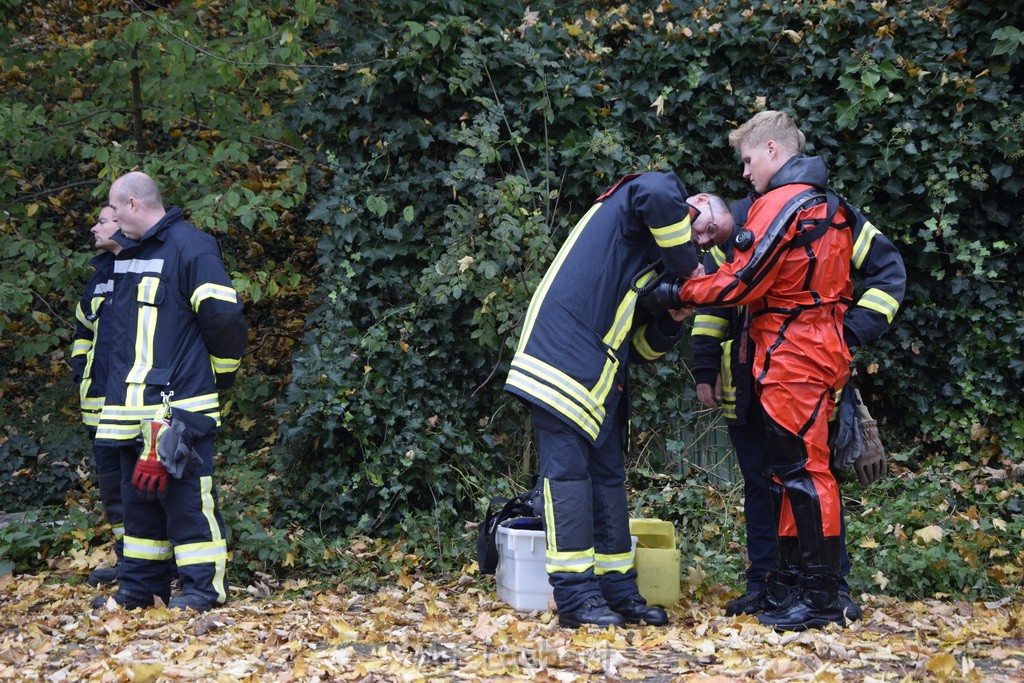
135, 265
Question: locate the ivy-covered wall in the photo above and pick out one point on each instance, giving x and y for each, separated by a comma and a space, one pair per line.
440, 151
464, 139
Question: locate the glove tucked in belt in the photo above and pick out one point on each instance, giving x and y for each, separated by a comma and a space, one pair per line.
150, 476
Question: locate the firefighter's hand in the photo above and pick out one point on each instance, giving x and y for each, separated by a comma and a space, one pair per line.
708, 396
698, 271
680, 314
664, 297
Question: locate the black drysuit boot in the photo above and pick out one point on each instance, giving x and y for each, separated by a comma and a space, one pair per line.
816, 601
780, 586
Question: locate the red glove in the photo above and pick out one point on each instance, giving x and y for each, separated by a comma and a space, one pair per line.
150, 476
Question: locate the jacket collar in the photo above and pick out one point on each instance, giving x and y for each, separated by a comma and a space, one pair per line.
157, 232
803, 170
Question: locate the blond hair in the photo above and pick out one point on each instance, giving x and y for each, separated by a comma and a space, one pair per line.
769, 125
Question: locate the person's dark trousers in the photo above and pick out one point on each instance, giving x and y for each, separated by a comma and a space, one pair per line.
759, 515
586, 517
185, 527
108, 472
758, 512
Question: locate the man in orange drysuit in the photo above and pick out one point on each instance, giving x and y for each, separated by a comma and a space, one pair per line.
792, 270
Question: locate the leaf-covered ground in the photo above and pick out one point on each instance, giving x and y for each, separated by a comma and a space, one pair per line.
415, 629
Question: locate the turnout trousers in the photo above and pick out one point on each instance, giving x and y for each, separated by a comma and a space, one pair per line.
108, 473
184, 527
586, 516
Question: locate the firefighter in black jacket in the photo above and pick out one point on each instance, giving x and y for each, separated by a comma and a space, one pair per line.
90, 358
180, 337
581, 331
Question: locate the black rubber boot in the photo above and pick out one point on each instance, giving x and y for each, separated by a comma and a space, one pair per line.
593, 612
635, 610
780, 586
104, 576
127, 600
816, 605
192, 601
851, 609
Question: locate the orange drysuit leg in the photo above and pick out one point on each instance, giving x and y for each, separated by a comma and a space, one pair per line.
796, 433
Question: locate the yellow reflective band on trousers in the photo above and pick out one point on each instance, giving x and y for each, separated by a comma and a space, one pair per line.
620, 562
863, 245
210, 290
876, 300
118, 531
642, 347
549, 277
554, 388
575, 561
673, 235
710, 326
147, 549
144, 342
209, 552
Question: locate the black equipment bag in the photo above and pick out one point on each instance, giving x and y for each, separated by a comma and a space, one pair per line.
499, 510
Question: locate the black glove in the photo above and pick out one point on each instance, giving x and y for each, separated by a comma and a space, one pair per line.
664, 297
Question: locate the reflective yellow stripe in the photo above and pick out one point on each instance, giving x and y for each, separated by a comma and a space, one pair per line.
120, 423
214, 551
198, 553
673, 235
147, 290
569, 561
590, 425
147, 549
81, 347
624, 314
209, 506
643, 347
877, 300
619, 562
575, 562
94, 403
549, 277
116, 432
717, 255
212, 291
710, 326
550, 537
144, 341
118, 531
222, 365
528, 372
728, 384
80, 316
863, 244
